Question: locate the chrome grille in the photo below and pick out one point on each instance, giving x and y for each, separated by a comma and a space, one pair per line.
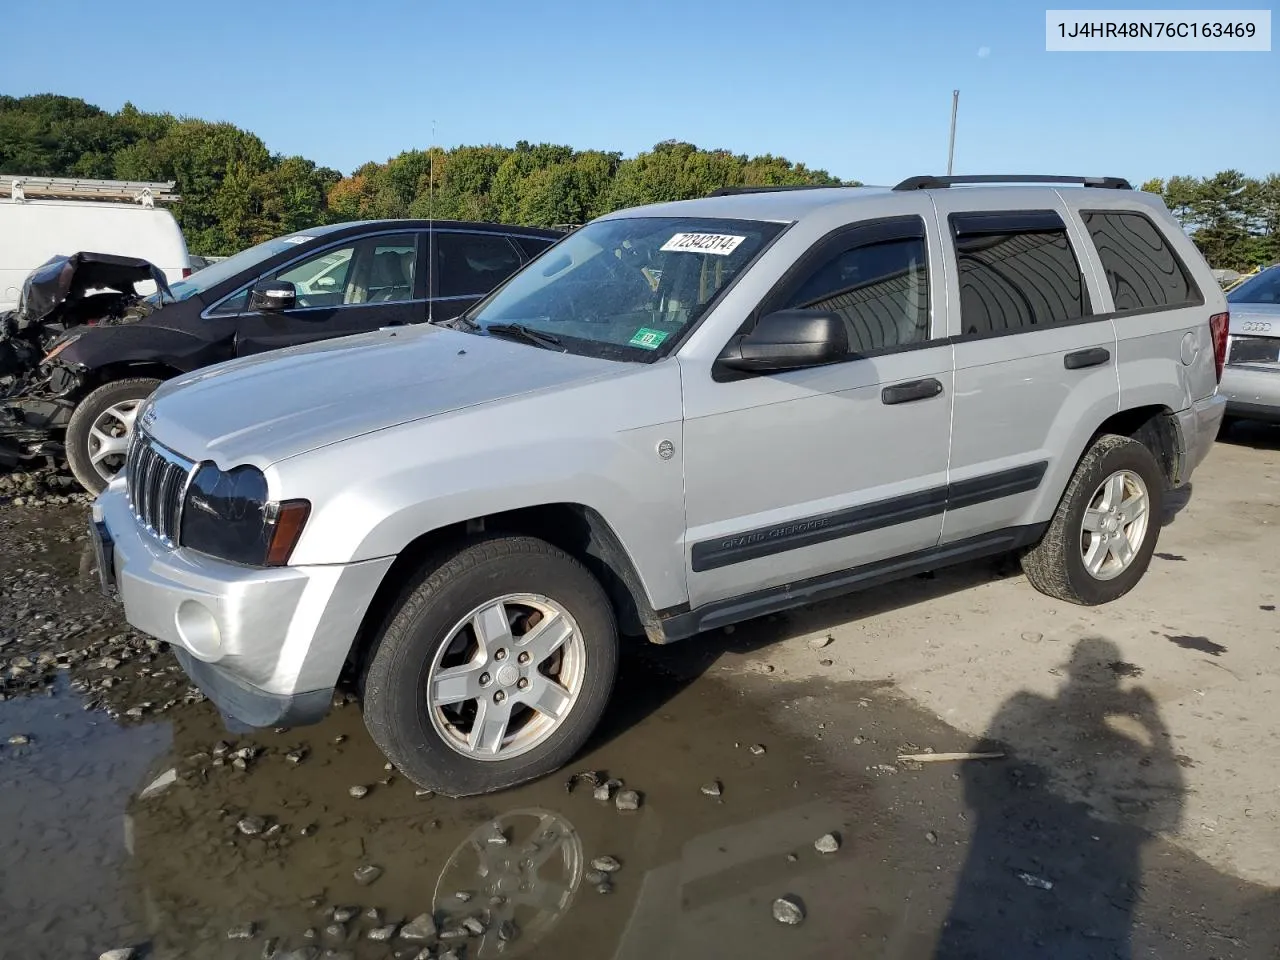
156, 481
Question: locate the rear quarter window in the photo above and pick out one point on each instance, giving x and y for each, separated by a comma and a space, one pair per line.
1142, 270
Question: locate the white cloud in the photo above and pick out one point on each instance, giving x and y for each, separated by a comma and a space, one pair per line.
984, 52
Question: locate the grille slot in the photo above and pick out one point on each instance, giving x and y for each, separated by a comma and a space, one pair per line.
156, 482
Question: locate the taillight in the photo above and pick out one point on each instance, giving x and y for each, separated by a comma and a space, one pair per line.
1219, 324
186, 272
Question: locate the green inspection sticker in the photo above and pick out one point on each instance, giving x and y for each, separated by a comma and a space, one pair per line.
647, 339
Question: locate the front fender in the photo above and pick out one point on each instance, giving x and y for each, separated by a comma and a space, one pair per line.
94, 348
599, 446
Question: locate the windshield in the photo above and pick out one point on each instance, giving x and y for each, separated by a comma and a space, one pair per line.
1264, 288
222, 270
627, 289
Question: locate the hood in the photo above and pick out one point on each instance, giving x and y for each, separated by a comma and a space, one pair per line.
62, 280
271, 406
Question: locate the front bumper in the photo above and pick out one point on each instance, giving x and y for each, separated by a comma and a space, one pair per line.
1252, 391
1198, 426
266, 645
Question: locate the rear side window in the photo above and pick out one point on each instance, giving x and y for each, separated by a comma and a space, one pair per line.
533, 246
1142, 270
877, 281
1017, 271
472, 264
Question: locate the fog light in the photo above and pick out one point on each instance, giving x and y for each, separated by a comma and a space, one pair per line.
198, 630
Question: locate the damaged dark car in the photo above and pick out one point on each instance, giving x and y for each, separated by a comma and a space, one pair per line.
60, 296
84, 349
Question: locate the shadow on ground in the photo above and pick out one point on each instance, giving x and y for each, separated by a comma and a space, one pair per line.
1252, 433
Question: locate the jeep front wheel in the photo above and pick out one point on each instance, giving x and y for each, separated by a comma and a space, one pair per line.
1104, 531
99, 430
495, 668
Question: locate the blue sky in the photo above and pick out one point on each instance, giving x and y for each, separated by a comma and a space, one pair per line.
862, 90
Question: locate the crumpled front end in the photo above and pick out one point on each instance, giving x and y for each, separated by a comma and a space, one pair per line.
59, 296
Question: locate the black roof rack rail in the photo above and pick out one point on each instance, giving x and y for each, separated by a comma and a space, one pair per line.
731, 191
937, 183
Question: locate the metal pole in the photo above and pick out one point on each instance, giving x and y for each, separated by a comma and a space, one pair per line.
951, 147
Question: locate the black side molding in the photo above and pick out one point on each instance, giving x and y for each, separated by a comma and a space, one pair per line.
1093, 357
678, 624
807, 531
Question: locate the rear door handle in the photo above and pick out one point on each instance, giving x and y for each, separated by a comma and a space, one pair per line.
1093, 357
907, 392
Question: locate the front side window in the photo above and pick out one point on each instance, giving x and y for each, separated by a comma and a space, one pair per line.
368, 270
1142, 271
320, 280
628, 288
202, 281
472, 264
880, 289
1017, 271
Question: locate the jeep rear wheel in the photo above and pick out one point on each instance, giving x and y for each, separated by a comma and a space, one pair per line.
495, 668
1101, 538
99, 430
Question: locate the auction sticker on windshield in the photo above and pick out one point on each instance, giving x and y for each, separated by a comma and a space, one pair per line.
648, 339
721, 244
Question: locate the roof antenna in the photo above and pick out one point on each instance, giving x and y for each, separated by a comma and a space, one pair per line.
431, 216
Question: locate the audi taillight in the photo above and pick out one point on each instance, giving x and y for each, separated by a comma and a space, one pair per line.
1219, 324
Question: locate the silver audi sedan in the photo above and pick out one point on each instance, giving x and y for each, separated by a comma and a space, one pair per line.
1251, 379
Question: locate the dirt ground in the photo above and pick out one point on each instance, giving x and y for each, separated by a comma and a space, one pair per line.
1194, 649
1133, 812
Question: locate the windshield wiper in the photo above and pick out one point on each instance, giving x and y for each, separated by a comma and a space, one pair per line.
518, 331
460, 321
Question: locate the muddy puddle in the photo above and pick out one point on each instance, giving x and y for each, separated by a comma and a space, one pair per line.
151, 834
131, 816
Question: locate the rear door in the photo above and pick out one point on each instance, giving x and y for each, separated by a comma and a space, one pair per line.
1035, 366
351, 286
467, 265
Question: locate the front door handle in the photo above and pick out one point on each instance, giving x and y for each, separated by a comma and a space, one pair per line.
907, 392
1093, 357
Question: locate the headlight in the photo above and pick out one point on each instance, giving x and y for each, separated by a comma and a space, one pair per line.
227, 515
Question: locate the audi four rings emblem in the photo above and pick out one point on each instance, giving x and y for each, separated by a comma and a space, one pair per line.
1256, 327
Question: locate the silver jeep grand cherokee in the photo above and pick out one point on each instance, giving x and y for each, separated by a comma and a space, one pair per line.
678, 417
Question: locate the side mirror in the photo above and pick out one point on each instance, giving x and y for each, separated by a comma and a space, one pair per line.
788, 340
271, 296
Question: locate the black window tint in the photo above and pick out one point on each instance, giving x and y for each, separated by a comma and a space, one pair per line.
471, 264
533, 245
234, 304
1142, 270
880, 290
1016, 271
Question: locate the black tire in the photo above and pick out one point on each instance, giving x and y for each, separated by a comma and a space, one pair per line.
1055, 565
79, 442
395, 682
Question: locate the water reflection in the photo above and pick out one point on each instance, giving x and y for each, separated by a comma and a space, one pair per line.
524, 868
509, 875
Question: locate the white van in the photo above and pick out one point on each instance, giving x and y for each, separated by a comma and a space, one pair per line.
42, 217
